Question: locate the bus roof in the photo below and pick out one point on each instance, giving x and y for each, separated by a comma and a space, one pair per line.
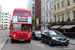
21, 9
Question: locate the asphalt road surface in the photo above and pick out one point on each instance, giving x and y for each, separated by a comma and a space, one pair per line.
34, 45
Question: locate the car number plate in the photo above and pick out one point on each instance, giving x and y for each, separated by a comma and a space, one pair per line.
62, 41
22, 40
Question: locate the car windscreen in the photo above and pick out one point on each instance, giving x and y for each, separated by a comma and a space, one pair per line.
26, 13
55, 33
38, 32
18, 12
17, 26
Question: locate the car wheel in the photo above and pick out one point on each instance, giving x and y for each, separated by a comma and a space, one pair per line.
42, 40
33, 37
50, 43
66, 45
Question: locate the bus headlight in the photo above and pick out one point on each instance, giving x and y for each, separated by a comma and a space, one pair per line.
28, 35
14, 35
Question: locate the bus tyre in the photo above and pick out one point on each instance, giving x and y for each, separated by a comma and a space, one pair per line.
12, 40
29, 40
9, 36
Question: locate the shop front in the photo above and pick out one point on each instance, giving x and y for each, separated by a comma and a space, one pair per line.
67, 28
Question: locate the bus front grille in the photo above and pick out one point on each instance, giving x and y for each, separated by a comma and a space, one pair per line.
21, 36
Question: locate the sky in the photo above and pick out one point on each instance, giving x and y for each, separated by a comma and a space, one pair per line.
10, 5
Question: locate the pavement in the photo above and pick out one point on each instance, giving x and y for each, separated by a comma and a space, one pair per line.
2, 42
4, 35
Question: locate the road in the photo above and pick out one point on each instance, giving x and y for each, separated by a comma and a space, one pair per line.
34, 45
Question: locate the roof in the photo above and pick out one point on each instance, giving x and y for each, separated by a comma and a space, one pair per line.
20, 9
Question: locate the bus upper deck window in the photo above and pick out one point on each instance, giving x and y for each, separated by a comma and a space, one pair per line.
26, 13
18, 12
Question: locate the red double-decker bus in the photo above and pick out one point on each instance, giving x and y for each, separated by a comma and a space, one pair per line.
21, 22
10, 28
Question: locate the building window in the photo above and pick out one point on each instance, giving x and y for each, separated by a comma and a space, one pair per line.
68, 16
50, 5
44, 9
62, 17
58, 6
44, 19
6, 14
68, 2
33, 12
47, 18
58, 18
47, 7
33, 8
62, 4
55, 7
55, 18
50, 17
74, 1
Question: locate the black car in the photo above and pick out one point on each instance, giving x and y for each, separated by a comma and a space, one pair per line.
36, 34
54, 37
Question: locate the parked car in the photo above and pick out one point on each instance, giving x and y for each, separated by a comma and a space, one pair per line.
36, 34
54, 37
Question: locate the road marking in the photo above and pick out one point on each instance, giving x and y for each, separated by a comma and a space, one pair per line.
37, 44
64, 47
71, 44
70, 47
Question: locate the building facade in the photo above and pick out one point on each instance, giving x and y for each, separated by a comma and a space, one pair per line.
63, 10
6, 20
37, 14
0, 17
46, 13
64, 17
31, 6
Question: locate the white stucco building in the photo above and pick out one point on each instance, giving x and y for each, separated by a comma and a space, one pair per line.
46, 13
0, 17
6, 20
31, 6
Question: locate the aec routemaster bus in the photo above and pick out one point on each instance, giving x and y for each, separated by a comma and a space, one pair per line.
10, 28
21, 22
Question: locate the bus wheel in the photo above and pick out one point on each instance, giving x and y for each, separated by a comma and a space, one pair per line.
12, 40
9, 36
29, 40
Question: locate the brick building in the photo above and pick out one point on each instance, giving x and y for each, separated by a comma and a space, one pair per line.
37, 14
